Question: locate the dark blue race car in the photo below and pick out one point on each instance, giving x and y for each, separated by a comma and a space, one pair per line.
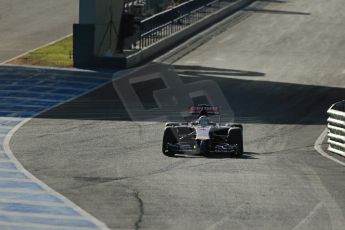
202, 136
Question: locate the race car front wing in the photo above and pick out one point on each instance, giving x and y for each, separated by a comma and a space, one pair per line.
188, 147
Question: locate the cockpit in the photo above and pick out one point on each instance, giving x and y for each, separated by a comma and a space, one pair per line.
204, 121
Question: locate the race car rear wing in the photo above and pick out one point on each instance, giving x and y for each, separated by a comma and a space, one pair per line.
211, 110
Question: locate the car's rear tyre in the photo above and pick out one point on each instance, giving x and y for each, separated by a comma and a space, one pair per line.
235, 136
171, 124
169, 137
235, 125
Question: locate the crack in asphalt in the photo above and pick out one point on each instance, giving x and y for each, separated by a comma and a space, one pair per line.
101, 180
137, 224
135, 193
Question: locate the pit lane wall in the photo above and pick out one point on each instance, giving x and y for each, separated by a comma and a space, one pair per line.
156, 49
336, 127
84, 41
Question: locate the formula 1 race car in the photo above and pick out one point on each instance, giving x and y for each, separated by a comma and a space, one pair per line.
202, 136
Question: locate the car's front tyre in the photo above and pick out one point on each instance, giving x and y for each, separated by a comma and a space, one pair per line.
235, 137
169, 137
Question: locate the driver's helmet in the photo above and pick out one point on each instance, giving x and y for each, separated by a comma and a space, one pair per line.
204, 121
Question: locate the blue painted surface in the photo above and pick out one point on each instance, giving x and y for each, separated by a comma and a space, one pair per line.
59, 98
3, 156
67, 91
21, 108
9, 123
13, 87
5, 114
49, 221
37, 209
75, 85
20, 185
4, 227
2, 138
40, 89
44, 104
3, 131
24, 114
16, 175
7, 165
30, 197
23, 94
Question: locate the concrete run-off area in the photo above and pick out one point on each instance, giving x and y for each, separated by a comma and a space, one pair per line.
26, 25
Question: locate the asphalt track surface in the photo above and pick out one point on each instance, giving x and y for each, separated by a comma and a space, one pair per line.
279, 66
26, 25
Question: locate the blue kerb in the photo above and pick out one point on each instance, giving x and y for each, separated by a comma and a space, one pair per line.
48, 221
21, 108
24, 96
67, 91
40, 89
37, 209
3, 156
15, 175
9, 123
7, 165
24, 114
44, 197
14, 185
5, 114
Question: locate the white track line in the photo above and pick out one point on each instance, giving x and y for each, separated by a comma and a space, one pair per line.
327, 200
219, 223
309, 217
319, 149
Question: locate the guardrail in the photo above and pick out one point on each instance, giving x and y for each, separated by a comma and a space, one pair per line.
227, 7
336, 127
159, 26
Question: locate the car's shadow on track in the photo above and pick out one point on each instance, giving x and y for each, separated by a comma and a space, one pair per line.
246, 155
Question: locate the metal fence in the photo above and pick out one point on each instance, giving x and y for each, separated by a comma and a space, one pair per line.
336, 126
159, 26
